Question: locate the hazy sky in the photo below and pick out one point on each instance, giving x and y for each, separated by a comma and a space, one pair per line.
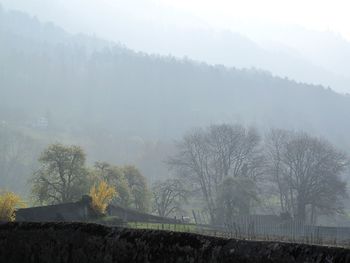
228, 14
313, 14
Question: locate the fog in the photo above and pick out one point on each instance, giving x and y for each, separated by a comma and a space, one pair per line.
290, 38
137, 82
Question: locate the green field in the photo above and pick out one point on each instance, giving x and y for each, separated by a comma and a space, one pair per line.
160, 226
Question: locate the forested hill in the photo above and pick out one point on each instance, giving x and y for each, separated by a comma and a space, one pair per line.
82, 84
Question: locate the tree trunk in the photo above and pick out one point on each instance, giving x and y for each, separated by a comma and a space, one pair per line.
301, 209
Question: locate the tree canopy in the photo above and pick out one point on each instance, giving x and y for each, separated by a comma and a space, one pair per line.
307, 172
62, 176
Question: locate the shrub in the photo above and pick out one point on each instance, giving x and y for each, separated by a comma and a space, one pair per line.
8, 203
102, 194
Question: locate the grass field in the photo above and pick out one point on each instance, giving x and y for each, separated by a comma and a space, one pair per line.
160, 226
112, 220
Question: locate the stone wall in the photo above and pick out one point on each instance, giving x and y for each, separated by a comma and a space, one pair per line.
85, 243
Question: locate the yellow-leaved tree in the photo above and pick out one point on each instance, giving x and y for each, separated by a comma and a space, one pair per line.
102, 194
8, 203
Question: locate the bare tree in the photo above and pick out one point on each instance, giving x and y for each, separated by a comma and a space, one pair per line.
207, 157
307, 172
235, 198
169, 196
193, 163
313, 173
275, 142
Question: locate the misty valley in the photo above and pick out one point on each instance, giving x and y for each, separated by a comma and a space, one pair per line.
100, 142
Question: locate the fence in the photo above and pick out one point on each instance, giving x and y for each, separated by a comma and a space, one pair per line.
248, 229
289, 231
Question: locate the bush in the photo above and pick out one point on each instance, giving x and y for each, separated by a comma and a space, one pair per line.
8, 203
102, 194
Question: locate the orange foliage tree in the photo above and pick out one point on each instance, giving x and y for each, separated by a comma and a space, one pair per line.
102, 194
8, 203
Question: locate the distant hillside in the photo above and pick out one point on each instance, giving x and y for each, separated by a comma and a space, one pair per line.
128, 107
84, 83
305, 55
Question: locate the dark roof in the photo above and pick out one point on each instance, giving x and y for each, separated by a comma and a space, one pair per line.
82, 211
131, 215
74, 211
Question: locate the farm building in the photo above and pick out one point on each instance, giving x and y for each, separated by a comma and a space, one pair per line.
76, 211
82, 211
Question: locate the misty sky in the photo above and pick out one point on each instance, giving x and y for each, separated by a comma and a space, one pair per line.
313, 14
225, 14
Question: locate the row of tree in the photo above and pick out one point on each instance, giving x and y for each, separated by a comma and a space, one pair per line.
63, 177
228, 169
233, 168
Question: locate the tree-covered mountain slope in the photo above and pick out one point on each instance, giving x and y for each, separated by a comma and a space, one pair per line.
84, 85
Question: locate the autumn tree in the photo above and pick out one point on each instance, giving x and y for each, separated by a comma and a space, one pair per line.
114, 176
102, 194
8, 203
130, 184
169, 196
62, 176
